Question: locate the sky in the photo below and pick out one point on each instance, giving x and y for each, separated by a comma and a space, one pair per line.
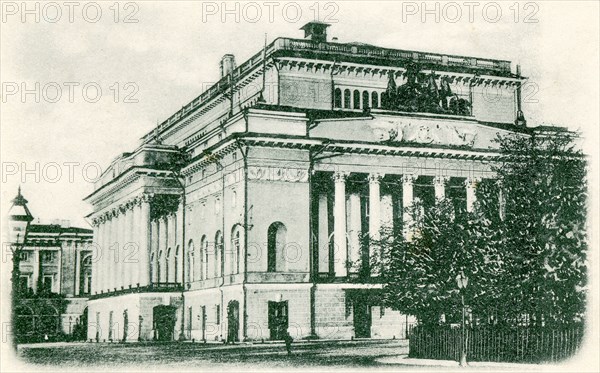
121, 68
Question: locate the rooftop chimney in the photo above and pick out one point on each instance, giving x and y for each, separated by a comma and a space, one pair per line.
315, 31
227, 65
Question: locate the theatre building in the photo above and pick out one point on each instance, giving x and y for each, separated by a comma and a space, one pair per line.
247, 213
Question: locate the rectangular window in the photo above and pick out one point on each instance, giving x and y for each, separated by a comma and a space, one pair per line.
218, 315
47, 282
24, 283
88, 285
24, 256
48, 256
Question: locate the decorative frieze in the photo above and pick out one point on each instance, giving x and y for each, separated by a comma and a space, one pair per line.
285, 174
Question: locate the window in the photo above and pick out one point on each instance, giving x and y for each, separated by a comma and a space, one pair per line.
24, 256
234, 156
365, 99
233, 199
203, 258
236, 248
346, 99
356, 99
276, 237
374, 100
24, 283
48, 256
218, 314
337, 98
191, 261
87, 287
47, 282
219, 257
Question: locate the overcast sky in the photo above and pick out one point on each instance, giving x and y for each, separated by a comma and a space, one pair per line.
172, 53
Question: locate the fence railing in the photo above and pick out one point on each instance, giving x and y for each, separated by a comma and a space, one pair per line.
519, 344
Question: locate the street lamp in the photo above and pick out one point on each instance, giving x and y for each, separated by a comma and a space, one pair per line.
462, 281
18, 221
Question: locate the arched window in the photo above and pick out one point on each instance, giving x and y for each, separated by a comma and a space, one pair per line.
337, 98
176, 264
374, 100
158, 265
356, 99
365, 99
191, 275
347, 99
276, 239
236, 248
203, 258
167, 265
219, 257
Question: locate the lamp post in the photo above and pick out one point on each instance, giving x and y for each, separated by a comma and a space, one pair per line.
462, 281
18, 221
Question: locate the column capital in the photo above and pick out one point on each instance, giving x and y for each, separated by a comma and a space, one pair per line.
441, 180
409, 178
471, 182
375, 178
340, 176
146, 197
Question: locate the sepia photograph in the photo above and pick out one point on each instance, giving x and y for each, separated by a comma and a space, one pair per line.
300, 186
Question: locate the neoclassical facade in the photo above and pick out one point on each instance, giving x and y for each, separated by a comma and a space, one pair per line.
54, 279
247, 213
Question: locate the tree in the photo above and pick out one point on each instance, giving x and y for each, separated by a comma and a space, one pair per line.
523, 248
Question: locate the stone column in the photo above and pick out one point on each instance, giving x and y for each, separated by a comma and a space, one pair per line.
106, 268
439, 185
407, 202
78, 265
98, 230
323, 234
162, 240
354, 229
154, 246
114, 250
339, 224
375, 221
179, 261
145, 241
471, 185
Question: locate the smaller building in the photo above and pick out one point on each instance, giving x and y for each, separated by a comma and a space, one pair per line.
55, 274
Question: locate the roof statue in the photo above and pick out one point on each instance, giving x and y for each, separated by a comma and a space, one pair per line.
420, 93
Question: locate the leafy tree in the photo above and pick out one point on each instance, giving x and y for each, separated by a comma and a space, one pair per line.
523, 248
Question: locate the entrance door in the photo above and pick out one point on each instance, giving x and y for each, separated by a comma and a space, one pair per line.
362, 320
278, 319
233, 321
164, 322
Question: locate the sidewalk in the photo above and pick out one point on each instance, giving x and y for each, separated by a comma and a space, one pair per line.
405, 360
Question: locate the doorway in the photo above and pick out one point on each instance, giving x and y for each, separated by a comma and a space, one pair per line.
233, 321
362, 320
164, 322
278, 320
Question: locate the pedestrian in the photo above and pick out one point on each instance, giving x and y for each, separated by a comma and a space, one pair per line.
288, 342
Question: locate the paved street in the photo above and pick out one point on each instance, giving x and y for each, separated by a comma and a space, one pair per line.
314, 356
